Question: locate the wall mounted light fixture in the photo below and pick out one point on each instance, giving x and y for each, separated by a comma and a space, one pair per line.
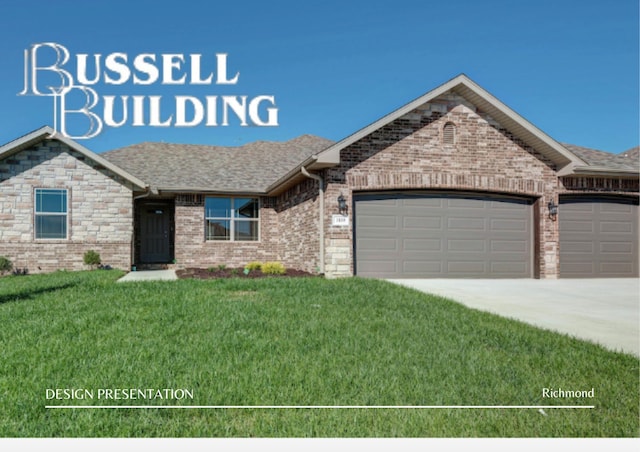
553, 210
342, 205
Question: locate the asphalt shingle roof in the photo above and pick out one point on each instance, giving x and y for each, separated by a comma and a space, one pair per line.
633, 154
603, 159
252, 167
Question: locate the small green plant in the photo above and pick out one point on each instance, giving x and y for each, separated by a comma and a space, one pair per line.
273, 268
20, 271
92, 258
211, 269
254, 265
5, 265
235, 271
222, 267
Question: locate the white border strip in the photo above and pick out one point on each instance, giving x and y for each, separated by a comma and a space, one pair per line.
321, 407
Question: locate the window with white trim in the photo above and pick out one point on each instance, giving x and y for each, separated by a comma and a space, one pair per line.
232, 219
51, 213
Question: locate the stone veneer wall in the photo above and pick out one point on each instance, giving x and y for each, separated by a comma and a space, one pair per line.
409, 153
100, 210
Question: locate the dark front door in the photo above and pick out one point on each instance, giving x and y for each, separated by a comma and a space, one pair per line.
155, 234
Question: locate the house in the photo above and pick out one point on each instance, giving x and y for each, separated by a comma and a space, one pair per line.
453, 184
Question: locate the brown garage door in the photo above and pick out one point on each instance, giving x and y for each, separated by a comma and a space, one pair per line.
598, 237
442, 235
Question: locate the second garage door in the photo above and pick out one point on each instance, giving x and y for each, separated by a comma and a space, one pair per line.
443, 235
598, 237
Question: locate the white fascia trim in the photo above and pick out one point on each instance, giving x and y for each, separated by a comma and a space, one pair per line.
48, 133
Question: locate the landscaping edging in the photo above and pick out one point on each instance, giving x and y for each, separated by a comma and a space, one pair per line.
221, 273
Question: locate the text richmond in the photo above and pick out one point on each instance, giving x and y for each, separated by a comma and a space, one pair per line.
561, 393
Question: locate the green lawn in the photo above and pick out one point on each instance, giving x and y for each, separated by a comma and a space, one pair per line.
297, 341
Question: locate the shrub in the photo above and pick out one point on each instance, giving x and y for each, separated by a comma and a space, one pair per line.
5, 265
255, 265
273, 268
92, 258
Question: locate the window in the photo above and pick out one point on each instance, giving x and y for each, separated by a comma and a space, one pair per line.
232, 219
51, 213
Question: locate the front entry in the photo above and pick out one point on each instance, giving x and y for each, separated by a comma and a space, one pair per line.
155, 232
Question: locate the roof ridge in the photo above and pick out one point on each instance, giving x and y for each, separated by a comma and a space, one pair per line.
585, 147
202, 145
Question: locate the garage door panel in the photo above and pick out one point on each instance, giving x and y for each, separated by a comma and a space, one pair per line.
504, 225
578, 268
578, 247
621, 248
446, 235
422, 223
464, 203
466, 245
616, 208
419, 245
510, 205
620, 226
509, 268
598, 237
466, 224
577, 225
379, 244
375, 203
421, 267
513, 246
421, 202
466, 268
377, 222
614, 269
384, 267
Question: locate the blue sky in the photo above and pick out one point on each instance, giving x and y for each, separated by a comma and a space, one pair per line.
569, 67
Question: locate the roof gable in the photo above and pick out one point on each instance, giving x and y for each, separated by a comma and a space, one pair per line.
46, 132
465, 87
601, 162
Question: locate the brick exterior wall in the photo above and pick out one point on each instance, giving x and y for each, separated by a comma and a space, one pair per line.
406, 154
600, 185
298, 215
192, 250
409, 153
100, 212
288, 231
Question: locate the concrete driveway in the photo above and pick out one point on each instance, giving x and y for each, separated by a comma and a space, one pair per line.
604, 311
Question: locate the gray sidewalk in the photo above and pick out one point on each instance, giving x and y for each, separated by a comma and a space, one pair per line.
149, 275
605, 311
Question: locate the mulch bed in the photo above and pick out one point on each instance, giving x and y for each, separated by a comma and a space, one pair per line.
216, 273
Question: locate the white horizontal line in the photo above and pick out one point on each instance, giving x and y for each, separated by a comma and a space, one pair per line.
322, 407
